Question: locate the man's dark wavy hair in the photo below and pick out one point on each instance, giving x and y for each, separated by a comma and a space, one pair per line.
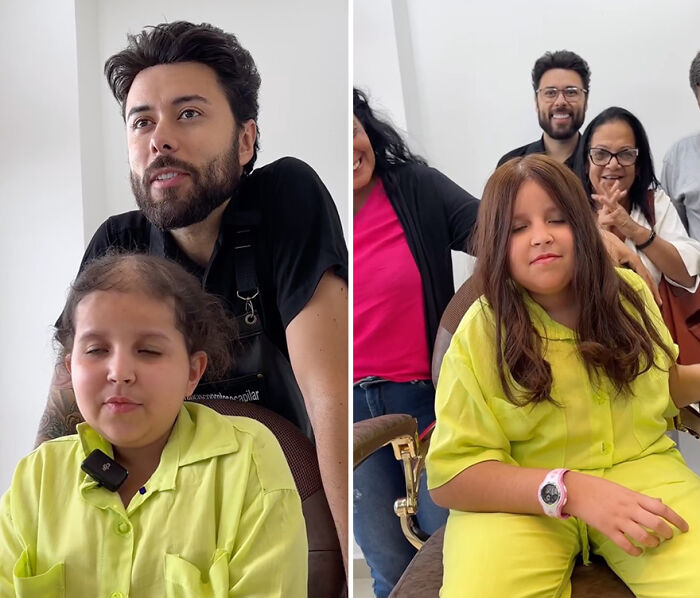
389, 147
695, 74
170, 43
561, 59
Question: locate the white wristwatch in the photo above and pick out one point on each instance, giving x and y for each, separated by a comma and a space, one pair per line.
552, 494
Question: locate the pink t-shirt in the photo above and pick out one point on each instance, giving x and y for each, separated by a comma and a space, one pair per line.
389, 314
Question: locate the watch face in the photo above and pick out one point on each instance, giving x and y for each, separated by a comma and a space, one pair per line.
550, 494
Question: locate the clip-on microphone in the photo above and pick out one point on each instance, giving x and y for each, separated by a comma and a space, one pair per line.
104, 470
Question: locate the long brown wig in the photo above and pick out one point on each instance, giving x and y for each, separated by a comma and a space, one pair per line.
611, 340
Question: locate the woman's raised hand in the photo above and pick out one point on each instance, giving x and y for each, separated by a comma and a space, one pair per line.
623, 515
611, 212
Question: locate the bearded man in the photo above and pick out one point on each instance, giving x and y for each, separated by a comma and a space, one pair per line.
561, 82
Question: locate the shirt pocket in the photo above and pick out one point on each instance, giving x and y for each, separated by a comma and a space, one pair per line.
184, 580
521, 424
50, 584
652, 408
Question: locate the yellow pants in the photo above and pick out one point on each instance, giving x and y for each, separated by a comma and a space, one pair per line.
502, 555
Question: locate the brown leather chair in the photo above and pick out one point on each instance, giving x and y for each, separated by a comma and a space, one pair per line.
326, 571
423, 576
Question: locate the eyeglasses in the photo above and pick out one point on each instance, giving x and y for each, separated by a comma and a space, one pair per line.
602, 157
571, 93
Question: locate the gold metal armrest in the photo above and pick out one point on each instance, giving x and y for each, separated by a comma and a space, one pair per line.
412, 455
370, 435
401, 431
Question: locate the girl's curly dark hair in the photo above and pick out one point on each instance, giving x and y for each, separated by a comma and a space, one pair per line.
200, 317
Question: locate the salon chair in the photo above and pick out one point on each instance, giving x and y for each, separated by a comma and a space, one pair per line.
326, 570
423, 576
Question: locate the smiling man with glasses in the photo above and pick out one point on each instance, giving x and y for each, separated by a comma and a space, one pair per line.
560, 80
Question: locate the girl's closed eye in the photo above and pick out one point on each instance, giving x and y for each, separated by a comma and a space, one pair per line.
517, 227
95, 350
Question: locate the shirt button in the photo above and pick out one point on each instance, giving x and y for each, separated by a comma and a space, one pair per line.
123, 529
605, 448
116, 595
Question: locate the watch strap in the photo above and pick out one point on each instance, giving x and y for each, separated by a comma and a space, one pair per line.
556, 478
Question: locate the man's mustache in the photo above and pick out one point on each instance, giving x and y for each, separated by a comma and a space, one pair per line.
166, 162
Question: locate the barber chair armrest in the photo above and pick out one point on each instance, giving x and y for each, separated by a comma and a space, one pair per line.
370, 435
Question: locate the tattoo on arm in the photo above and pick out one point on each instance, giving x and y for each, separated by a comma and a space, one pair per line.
61, 414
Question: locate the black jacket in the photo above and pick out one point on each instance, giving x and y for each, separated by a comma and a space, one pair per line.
437, 216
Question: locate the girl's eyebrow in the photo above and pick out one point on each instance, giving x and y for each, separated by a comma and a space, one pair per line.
526, 215
92, 334
88, 335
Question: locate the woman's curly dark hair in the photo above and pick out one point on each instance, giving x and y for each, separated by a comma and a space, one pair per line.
199, 316
389, 147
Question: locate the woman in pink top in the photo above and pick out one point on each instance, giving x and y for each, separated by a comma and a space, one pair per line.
407, 218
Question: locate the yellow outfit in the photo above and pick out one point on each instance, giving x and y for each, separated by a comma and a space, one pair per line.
220, 516
619, 438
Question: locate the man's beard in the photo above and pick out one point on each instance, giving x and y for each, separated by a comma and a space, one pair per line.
212, 185
577, 118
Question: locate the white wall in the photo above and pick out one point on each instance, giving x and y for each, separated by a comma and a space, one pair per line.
41, 238
63, 161
376, 67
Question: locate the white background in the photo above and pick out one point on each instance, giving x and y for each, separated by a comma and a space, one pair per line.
63, 161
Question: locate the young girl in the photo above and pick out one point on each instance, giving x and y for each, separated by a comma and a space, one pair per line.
209, 506
551, 409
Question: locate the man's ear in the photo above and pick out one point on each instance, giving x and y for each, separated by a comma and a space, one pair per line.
198, 363
247, 134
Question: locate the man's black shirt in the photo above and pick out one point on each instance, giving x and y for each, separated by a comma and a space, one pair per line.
299, 237
536, 147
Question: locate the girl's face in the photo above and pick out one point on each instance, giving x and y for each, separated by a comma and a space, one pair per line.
362, 156
614, 136
130, 367
541, 245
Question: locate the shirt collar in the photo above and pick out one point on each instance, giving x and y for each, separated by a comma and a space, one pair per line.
199, 433
538, 148
545, 326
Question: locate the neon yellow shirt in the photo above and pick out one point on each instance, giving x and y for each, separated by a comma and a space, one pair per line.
220, 516
593, 429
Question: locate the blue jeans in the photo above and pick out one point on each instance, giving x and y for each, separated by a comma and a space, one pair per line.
379, 481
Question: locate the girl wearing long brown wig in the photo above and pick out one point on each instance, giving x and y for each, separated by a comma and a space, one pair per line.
552, 400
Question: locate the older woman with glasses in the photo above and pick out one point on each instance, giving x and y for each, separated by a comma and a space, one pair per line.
615, 164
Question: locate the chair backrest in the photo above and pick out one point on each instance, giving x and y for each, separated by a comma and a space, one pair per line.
451, 317
326, 571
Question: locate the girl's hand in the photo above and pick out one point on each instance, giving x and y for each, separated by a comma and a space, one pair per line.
620, 513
